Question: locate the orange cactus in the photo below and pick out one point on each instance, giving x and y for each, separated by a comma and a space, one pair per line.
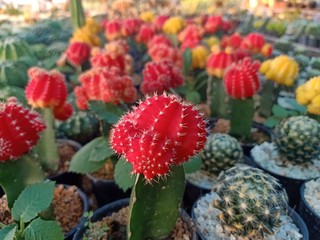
45, 88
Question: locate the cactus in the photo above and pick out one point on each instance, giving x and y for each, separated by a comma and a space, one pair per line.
303, 61
9, 76
297, 139
81, 127
77, 13
104, 84
284, 46
315, 63
9, 91
146, 33
14, 49
216, 66
160, 77
113, 30
77, 53
241, 83
160, 52
253, 42
221, 152
251, 202
156, 153
56, 49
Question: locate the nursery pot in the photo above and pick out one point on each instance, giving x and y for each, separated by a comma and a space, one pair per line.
311, 218
291, 185
115, 206
69, 178
106, 191
313, 41
298, 221
303, 39
85, 206
247, 146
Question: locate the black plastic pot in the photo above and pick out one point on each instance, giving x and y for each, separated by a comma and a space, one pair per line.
115, 206
313, 42
291, 185
311, 218
68, 178
106, 191
85, 205
246, 146
298, 221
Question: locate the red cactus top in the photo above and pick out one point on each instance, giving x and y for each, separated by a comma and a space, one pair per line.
130, 26
104, 84
19, 129
163, 52
241, 79
160, 77
217, 63
253, 42
45, 88
162, 131
78, 52
146, 33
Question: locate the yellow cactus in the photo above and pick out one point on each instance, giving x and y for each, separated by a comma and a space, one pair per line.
86, 36
199, 57
147, 16
173, 25
282, 70
309, 94
265, 66
92, 25
211, 41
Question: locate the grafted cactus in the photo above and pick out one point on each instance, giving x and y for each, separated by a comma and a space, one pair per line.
251, 202
221, 152
297, 139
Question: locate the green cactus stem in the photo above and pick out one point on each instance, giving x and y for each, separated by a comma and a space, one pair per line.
268, 98
47, 148
217, 98
154, 208
242, 111
15, 175
77, 13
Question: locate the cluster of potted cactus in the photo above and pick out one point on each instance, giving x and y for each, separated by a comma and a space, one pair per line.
143, 94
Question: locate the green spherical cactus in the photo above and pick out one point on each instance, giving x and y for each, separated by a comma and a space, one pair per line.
13, 49
81, 127
220, 153
303, 61
13, 74
251, 202
9, 91
284, 46
297, 139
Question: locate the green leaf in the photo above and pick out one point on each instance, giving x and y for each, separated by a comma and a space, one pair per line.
81, 162
187, 61
193, 164
40, 229
122, 174
8, 232
296, 106
279, 111
272, 121
33, 200
101, 152
155, 208
193, 97
106, 111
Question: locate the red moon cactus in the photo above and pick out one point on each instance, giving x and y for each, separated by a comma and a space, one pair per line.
162, 131
45, 89
19, 129
241, 79
78, 52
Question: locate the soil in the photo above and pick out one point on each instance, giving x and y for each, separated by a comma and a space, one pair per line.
67, 206
257, 136
114, 228
106, 172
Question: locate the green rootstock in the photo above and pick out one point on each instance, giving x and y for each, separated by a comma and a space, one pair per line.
77, 13
268, 98
154, 207
15, 175
217, 98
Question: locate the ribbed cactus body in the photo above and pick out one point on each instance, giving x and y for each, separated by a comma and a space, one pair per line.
217, 63
81, 126
251, 202
298, 138
253, 42
13, 74
13, 49
221, 152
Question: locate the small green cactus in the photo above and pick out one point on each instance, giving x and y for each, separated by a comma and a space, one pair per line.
297, 139
9, 76
315, 63
251, 202
81, 126
303, 61
220, 153
283, 46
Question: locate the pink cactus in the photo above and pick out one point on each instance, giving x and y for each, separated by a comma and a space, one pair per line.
241, 79
192, 31
104, 84
130, 26
146, 33
159, 39
162, 131
159, 21
189, 42
160, 77
163, 52
213, 24
78, 52
116, 47
113, 30
45, 88
19, 129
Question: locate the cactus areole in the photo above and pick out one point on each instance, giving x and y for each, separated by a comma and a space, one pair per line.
162, 131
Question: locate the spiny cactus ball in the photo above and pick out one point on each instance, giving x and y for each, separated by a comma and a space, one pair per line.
251, 202
220, 153
297, 139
